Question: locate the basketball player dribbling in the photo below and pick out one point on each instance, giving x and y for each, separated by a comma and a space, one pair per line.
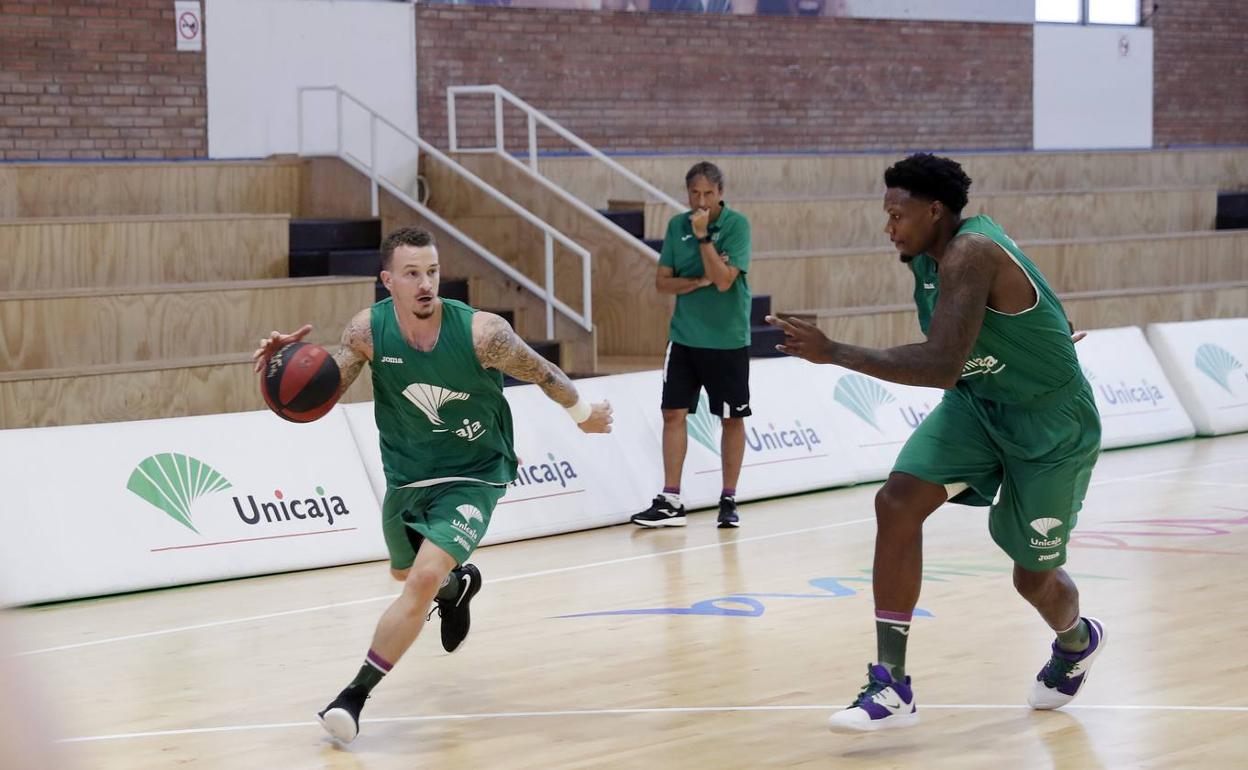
1017, 430
446, 445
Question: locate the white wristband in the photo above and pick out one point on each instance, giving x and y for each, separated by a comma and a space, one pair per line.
579, 412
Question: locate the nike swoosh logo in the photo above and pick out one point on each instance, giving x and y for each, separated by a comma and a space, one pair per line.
891, 706
467, 584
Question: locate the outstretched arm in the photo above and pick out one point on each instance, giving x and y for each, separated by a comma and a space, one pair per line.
967, 273
355, 350
499, 347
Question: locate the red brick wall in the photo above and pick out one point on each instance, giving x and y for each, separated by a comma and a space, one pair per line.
666, 82
98, 79
1200, 72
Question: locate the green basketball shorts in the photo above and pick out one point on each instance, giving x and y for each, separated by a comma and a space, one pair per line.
452, 516
1030, 462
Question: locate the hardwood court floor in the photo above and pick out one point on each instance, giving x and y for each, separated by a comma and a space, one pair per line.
737, 647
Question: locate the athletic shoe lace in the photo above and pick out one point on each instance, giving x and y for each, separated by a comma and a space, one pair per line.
1057, 671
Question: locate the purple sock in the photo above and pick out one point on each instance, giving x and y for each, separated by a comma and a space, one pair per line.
671, 490
728, 492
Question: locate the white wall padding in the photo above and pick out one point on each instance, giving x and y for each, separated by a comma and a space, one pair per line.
1208, 363
1137, 402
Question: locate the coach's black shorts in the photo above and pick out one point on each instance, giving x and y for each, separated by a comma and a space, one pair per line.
724, 373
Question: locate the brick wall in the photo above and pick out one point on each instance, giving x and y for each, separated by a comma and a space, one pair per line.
98, 79
667, 82
1200, 72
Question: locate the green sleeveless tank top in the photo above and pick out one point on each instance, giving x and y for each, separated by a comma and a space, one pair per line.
441, 415
1017, 357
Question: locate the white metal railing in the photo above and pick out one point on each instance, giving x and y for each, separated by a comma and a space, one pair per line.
535, 116
378, 180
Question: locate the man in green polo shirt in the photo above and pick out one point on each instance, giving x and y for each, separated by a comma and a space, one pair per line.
705, 258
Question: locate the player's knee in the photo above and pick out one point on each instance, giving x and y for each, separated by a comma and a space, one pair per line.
399, 574
674, 416
423, 581
895, 510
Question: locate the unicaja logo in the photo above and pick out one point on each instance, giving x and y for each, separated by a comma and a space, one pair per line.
703, 427
862, 396
1044, 527
171, 482
1217, 364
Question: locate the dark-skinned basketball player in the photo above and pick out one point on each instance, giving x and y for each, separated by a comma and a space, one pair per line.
446, 445
1017, 430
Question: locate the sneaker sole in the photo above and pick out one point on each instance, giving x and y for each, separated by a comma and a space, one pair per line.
339, 724
887, 723
729, 524
1099, 649
673, 522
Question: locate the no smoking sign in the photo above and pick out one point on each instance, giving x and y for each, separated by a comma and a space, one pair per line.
190, 25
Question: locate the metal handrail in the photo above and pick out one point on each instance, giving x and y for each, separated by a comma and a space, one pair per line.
536, 116
378, 181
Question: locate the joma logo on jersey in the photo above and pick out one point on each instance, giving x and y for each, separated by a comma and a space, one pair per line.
391, 360
982, 365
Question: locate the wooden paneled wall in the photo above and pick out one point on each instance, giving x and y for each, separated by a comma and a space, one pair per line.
129, 189
139, 391
802, 176
94, 252
51, 330
852, 278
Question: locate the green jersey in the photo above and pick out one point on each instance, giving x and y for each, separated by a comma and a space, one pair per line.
1017, 357
441, 415
708, 317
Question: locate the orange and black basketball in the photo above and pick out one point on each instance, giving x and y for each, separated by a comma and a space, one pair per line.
300, 382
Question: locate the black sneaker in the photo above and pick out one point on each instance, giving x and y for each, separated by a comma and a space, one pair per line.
341, 718
728, 518
661, 513
454, 612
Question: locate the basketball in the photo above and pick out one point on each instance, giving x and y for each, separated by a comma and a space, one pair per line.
300, 382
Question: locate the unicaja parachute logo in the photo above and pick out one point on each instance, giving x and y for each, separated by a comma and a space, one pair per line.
862, 396
1217, 364
703, 427
430, 398
171, 482
1044, 526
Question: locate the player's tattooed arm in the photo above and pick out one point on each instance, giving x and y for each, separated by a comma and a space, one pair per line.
356, 348
967, 272
499, 347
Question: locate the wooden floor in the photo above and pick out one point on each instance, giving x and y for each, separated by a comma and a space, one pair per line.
725, 649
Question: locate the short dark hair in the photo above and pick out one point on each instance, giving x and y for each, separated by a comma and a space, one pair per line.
415, 236
924, 175
708, 170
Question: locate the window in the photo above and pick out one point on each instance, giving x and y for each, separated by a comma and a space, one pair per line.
1088, 11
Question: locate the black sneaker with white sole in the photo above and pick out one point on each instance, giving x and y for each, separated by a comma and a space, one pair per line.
341, 718
454, 612
728, 518
661, 513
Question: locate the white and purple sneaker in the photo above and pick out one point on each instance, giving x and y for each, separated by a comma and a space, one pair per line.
882, 704
1064, 675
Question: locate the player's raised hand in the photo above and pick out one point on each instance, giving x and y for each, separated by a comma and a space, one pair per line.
802, 339
1076, 336
275, 342
600, 418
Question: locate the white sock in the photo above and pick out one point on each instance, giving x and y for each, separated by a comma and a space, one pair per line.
672, 499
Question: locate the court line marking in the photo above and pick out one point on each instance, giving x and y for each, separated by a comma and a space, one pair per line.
554, 571
390, 596
634, 711
1197, 483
